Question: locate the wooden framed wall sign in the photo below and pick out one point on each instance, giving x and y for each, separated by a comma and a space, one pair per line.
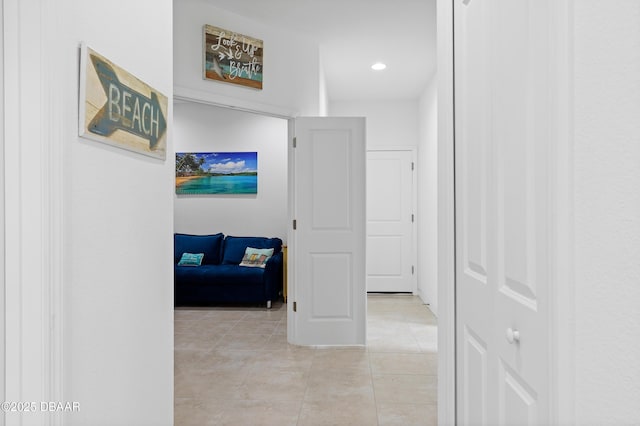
232, 58
118, 109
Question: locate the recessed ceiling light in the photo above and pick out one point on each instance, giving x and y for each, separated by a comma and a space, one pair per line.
378, 66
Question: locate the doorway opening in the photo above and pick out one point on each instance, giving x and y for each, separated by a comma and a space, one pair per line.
400, 325
391, 221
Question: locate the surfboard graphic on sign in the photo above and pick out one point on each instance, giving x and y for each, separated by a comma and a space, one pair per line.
119, 109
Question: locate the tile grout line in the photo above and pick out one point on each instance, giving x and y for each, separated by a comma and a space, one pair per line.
373, 386
306, 388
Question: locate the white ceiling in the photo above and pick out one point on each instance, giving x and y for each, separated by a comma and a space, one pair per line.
353, 34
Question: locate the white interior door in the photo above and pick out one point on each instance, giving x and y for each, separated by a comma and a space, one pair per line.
329, 239
502, 121
390, 219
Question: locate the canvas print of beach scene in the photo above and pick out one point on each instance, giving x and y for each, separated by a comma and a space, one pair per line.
217, 173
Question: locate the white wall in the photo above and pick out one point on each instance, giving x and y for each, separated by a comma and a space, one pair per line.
392, 123
2, 222
90, 290
607, 211
323, 110
428, 196
203, 128
118, 207
291, 63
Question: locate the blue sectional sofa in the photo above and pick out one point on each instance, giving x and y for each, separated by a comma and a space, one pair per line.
220, 278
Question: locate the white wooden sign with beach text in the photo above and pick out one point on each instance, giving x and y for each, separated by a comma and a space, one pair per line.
119, 109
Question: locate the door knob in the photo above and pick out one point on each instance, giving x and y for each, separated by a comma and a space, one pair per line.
513, 335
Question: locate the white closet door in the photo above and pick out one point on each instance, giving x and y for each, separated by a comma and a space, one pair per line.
503, 119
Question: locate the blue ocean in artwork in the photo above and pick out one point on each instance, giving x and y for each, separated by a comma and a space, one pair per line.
219, 185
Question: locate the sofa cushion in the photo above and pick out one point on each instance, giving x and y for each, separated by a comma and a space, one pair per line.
219, 275
234, 247
209, 245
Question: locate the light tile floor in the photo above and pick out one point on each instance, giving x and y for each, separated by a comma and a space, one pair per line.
233, 366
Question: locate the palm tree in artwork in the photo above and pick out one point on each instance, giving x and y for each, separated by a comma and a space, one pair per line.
188, 164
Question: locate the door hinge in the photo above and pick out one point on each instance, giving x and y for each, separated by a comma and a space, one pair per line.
295, 224
413, 270
295, 142
413, 218
295, 306
412, 165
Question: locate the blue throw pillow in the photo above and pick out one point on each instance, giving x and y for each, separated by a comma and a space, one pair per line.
209, 245
191, 259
